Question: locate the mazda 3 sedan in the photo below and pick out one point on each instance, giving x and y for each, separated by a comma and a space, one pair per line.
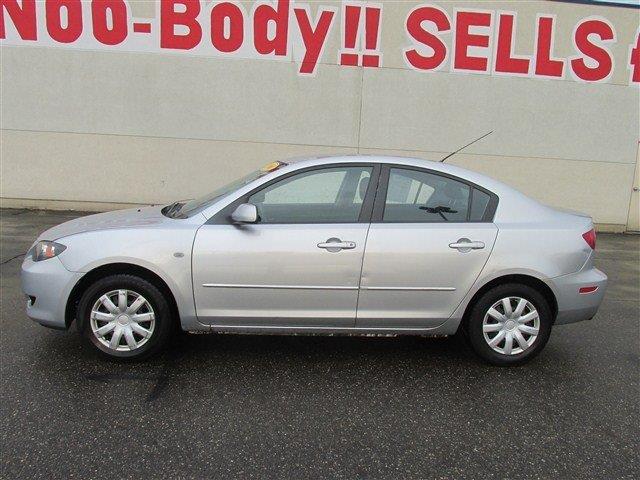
354, 245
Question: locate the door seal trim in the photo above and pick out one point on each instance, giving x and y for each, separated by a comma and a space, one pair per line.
418, 289
328, 287
279, 287
389, 330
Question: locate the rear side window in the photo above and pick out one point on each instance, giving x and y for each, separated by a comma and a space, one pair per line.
416, 197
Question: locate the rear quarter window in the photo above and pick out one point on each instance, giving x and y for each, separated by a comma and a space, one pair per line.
479, 203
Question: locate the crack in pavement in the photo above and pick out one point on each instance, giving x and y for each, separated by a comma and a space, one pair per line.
4, 262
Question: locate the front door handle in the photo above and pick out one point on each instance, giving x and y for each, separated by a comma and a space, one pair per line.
335, 245
465, 245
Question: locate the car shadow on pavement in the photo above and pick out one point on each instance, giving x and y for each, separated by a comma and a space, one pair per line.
192, 362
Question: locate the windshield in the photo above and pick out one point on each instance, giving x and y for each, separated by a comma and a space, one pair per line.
186, 209
193, 206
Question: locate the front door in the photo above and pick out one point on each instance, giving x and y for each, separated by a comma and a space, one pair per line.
299, 265
430, 237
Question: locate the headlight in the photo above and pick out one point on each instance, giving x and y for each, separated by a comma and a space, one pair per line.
44, 250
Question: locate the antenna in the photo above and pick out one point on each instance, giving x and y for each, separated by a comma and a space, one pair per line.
462, 148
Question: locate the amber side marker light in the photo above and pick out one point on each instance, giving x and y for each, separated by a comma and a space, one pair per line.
270, 167
585, 290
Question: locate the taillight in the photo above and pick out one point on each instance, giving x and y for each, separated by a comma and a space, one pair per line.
590, 238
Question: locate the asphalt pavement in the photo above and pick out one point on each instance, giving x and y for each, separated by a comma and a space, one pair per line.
244, 406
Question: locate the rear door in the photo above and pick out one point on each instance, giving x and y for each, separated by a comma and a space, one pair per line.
429, 239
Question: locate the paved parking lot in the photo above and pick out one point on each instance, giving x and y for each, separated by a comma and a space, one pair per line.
221, 406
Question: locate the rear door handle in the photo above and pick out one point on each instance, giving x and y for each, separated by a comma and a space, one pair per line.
465, 245
335, 245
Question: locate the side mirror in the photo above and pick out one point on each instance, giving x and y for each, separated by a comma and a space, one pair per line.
245, 213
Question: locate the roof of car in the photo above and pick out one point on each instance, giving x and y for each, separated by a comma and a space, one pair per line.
450, 169
513, 206
512, 202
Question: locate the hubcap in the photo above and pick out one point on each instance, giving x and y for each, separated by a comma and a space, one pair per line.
122, 320
511, 325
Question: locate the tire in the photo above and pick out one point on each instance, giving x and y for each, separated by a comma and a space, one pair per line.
149, 327
484, 328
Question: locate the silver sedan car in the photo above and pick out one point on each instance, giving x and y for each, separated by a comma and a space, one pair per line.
353, 245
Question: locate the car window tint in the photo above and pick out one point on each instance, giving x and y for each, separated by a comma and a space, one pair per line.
318, 196
479, 203
415, 196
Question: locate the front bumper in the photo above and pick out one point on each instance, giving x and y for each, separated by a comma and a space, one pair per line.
50, 284
574, 306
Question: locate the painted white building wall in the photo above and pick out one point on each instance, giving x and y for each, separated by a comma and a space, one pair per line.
104, 129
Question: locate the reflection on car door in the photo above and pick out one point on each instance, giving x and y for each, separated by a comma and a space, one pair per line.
429, 239
300, 265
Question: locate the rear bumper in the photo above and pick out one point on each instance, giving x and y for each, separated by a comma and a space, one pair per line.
574, 306
48, 285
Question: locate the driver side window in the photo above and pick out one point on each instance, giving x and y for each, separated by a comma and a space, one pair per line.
329, 195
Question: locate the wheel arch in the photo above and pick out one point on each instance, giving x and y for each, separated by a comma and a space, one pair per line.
523, 279
114, 269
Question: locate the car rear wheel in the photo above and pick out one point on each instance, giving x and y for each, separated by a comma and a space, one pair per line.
509, 324
125, 317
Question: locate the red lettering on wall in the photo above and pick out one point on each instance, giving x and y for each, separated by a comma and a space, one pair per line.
71, 12
599, 56
279, 17
350, 26
634, 60
465, 39
169, 18
506, 62
371, 37
546, 66
484, 41
440, 20
23, 18
117, 9
313, 39
229, 13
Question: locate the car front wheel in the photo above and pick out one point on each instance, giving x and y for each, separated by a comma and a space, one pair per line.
509, 324
125, 317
